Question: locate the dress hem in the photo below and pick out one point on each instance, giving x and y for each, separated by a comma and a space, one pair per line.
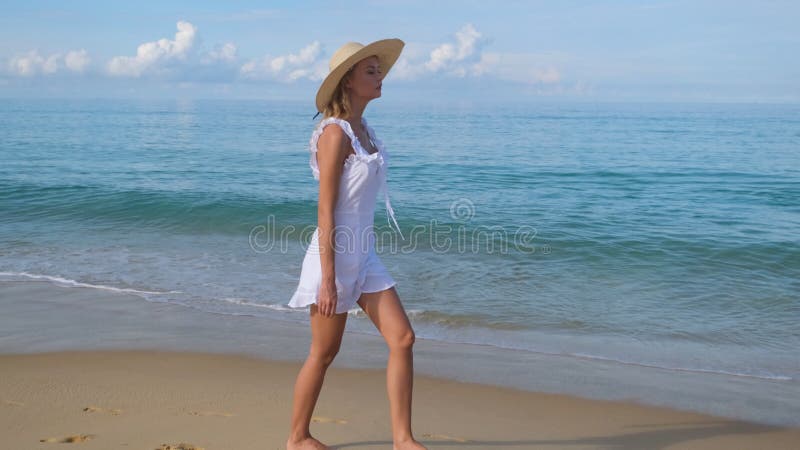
308, 299
381, 289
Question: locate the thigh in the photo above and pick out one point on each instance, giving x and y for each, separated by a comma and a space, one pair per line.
326, 332
387, 313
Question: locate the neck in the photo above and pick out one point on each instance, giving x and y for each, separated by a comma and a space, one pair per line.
357, 107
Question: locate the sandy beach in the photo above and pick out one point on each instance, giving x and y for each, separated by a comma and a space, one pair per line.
151, 400
110, 370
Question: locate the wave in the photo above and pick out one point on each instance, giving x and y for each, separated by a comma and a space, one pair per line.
72, 283
432, 325
196, 211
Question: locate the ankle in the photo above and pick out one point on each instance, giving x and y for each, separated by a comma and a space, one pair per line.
403, 438
298, 437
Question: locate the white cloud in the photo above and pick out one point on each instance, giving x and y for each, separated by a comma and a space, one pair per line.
486, 63
77, 61
449, 56
465, 57
225, 53
526, 68
151, 54
50, 64
305, 64
460, 58
183, 59
32, 63
26, 65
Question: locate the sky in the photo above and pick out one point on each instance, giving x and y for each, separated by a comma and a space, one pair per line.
506, 51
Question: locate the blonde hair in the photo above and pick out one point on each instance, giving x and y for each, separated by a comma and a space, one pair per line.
339, 105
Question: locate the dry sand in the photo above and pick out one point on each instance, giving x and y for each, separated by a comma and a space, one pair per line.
151, 400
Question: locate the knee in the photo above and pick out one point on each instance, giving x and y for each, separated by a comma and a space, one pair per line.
403, 341
324, 357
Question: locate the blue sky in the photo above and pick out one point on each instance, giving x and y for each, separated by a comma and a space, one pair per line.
724, 51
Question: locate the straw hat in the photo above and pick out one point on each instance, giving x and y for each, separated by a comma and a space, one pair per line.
387, 51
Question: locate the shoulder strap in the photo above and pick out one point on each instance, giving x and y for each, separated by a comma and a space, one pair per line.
343, 124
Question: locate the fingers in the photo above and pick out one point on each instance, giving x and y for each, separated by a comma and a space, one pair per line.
332, 306
327, 304
327, 307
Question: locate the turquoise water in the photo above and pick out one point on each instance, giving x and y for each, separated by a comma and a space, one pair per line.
646, 234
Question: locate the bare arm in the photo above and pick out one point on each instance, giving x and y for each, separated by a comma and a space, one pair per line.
332, 149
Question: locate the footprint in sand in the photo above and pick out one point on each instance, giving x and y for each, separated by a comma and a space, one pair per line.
181, 446
212, 413
13, 403
444, 436
322, 419
70, 439
93, 408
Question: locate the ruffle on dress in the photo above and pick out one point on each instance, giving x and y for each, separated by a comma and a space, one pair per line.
360, 155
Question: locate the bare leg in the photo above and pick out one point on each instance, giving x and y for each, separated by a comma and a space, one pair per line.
326, 337
387, 313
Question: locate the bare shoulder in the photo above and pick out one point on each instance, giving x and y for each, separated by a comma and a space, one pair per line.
333, 140
333, 136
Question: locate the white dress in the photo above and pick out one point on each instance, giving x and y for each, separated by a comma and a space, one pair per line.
357, 267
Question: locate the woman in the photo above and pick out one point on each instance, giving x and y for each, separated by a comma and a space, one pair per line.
341, 268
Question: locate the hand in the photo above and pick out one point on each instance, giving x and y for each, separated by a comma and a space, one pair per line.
328, 298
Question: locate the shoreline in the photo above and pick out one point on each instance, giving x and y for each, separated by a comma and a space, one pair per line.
41, 317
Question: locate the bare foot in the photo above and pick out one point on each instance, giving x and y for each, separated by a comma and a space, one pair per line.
307, 443
410, 444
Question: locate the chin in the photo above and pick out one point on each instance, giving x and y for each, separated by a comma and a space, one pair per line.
373, 96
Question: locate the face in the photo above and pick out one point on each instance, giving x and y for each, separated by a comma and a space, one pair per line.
366, 78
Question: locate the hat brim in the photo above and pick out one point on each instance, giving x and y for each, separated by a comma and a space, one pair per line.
387, 51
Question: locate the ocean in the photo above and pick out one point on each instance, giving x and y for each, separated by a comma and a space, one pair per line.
644, 235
